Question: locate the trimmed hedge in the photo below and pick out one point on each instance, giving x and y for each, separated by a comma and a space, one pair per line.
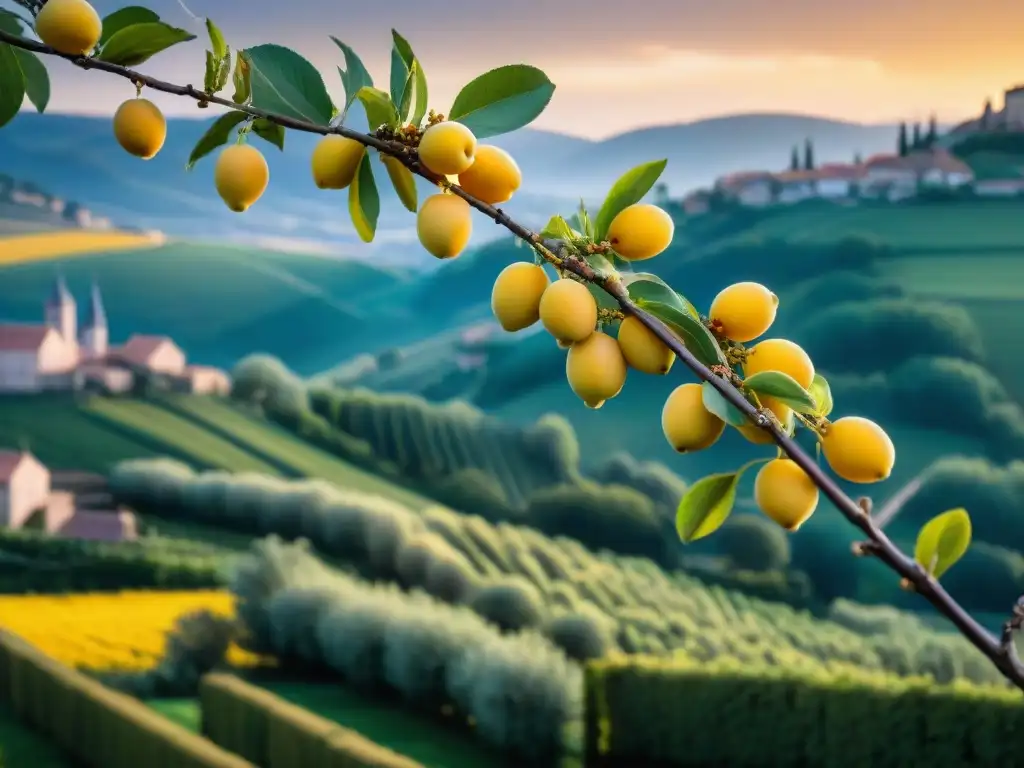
33, 561
650, 712
99, 727
273, 733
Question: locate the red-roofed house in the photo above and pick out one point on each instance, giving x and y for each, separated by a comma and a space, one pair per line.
156, 353
837, 181
204, 380
24, 487
794, 186
755, 188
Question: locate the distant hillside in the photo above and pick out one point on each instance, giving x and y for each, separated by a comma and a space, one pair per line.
220, 302
25, 207
77, 158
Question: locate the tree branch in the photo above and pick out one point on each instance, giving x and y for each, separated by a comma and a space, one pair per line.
1000, 651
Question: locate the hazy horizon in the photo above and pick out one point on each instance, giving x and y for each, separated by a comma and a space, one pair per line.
668, 62
213, 111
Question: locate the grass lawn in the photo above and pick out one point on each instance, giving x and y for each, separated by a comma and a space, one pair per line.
206, 448
184, 712
410, 734
56, 430
286, 449
21, 747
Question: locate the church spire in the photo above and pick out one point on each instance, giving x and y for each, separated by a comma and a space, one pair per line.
59, 295
96, 315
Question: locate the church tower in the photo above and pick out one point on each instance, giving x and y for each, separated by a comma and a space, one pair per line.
95, 332
61, 312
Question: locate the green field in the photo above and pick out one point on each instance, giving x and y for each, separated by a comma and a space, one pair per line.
95, 433
383, 722
284, 448
59, 431
152, 420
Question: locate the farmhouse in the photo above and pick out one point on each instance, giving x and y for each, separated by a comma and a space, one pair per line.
27, 496
57, 355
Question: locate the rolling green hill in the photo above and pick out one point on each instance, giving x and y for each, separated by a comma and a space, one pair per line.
222, 302
96, 433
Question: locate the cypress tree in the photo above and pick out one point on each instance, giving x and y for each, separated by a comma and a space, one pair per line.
902, 144
794, 159
808, 155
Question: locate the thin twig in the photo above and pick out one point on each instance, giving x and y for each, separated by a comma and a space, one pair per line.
1002, 654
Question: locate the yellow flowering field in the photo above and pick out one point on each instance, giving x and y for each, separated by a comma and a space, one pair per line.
110, 631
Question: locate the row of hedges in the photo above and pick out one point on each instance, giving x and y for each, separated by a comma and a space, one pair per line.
99, 727
516, 577
33, 561
522, 693
478, 465
645, 712
463, 459
274, 733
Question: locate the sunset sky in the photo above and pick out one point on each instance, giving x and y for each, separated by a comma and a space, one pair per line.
622, 64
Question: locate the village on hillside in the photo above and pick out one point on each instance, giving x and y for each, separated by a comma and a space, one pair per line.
55, 355
58, 356
921, 163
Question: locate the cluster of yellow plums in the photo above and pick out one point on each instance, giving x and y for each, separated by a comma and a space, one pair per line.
857, 449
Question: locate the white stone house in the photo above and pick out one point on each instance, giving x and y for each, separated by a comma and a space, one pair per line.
756, 189
24, 487
795, 186
839, 182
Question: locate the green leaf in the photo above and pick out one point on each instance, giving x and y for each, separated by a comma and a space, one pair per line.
628, 190
123, 18
585, 222
822, 394
691, 331
722, 408
241, 79
12, 85
408, 92
11, 23
36, 78
210, 73
355, 76
708, 503
269, 131
502, 100
558, 228
408, 81
285, 83
943, 541
403, 182
380, 110
364, 201
644, 286
217, 135
223, 73
782, 387
220, 47
138, 43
